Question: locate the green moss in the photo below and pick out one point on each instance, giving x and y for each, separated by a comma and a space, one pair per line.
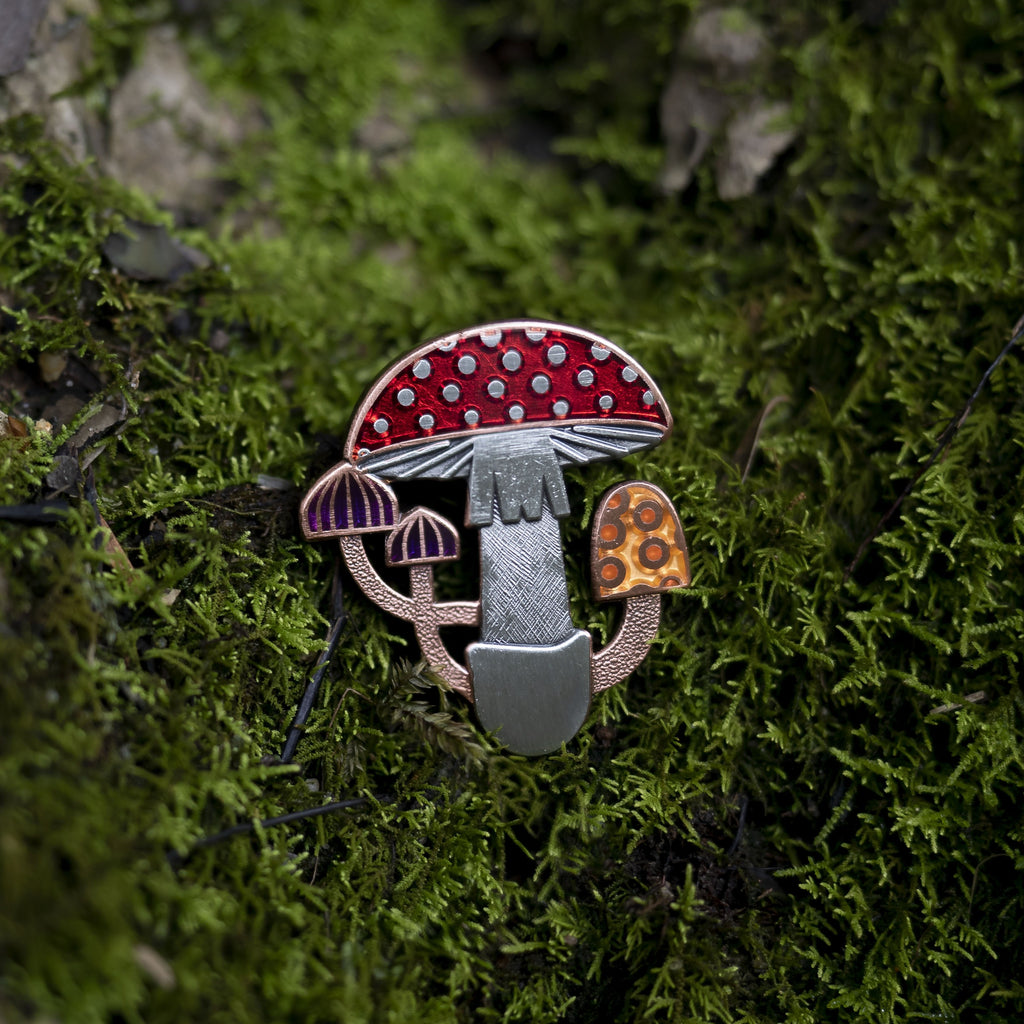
771, 820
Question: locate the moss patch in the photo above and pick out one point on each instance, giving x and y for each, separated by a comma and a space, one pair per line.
792, 811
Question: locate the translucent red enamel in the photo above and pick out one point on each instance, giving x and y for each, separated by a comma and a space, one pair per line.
401, 422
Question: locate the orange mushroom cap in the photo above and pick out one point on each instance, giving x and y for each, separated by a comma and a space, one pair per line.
638, 544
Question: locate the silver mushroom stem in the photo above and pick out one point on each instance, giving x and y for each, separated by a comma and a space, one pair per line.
516, 497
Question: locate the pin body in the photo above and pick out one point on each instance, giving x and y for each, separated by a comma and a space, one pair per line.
507, 406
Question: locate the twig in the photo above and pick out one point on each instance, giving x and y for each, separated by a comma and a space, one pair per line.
340, 617
945, 439
978, 697
747, 451
177, 859
744, 802
49, 512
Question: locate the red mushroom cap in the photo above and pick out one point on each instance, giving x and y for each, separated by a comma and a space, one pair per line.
501, 376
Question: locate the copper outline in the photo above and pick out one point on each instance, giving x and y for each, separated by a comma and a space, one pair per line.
630, 644
504, 325
426, 615
427, 517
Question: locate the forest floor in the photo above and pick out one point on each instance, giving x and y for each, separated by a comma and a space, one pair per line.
219, 223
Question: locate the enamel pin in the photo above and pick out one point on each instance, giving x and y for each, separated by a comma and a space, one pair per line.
507, 406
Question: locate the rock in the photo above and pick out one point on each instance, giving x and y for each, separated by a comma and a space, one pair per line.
380, 134
690, 115
729, 39
722, 47
102, 422
64, 476
21, 19
167, 134
753, 142
63, 411
52, 365
60, 51
148, 252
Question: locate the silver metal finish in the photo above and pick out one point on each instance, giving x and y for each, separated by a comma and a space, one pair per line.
520, 470
534, 698
523, 595
485, 455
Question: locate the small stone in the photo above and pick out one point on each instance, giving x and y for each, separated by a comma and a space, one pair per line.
151, 963
220, 340
273, 483
148, 252
167, 133
64, 475
63, 411
52, 365
754, 140
101, 423
21, 18
60, 52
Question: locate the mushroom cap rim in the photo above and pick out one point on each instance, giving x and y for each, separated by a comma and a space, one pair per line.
540, 425
422, 512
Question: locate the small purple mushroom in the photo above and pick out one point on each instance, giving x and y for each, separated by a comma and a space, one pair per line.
422, 538
345, 501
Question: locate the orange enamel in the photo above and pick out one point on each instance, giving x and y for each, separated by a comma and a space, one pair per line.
651, 556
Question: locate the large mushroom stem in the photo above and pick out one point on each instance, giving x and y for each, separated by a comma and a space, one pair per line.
426, 615
523, 593
531, 668
516, 496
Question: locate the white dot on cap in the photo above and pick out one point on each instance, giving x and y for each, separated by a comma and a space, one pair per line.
512, 360
362, 453
448, 344
629, 374
380, 425
535, 334
426, 421
585, 378
406, 397
491, 336
451, 392
647, 398
466, 364
516, 412
600, 351
606, 402
556, 355
496, 388
560, 408
472, 417
421, 370
540, 384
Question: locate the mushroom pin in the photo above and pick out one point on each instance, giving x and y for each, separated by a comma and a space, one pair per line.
507, 406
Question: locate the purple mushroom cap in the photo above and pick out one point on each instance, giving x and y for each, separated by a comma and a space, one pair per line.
422, 538
345, 501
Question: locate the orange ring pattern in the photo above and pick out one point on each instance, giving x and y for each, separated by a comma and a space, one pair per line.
638, 546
